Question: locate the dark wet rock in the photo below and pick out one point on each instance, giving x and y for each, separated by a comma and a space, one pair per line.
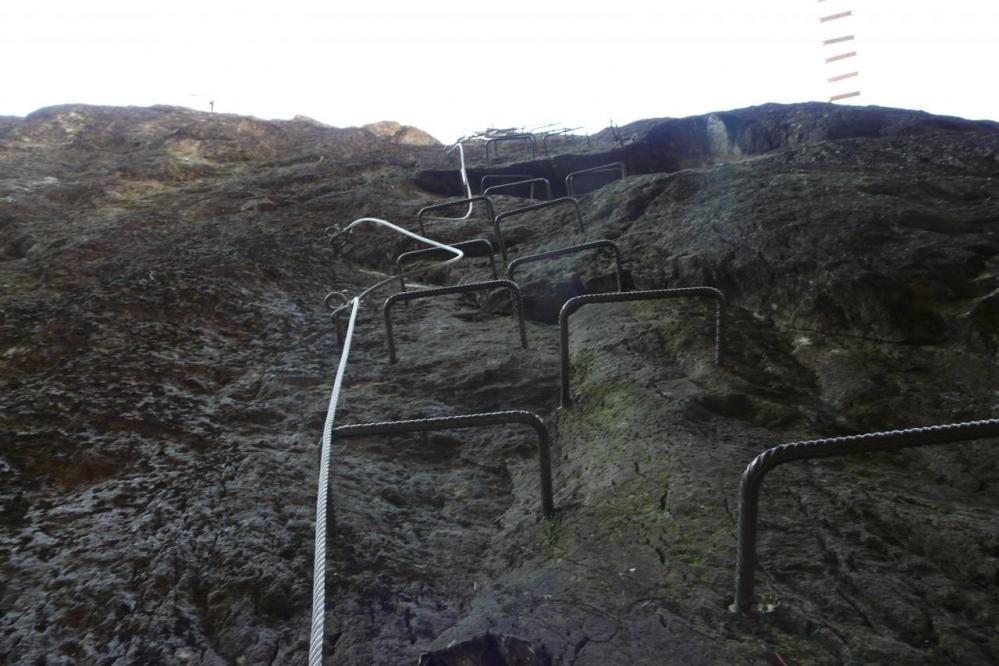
165, 362
674, 144
487, 650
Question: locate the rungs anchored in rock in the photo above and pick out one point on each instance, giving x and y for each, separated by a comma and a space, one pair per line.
469, 200
603, 168
515, 300
500, 178
572, 249
540, 206
510, 137
527, 181
574, 304
413, 255
752, 478
470, 421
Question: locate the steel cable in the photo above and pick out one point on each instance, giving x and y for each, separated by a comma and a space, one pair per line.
464, 181
316, 635
319, 562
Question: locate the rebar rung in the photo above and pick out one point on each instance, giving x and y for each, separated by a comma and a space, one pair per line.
571, 250
574, 304
469, 200
544, 204
470, 421
752, 478
515, 300
531, 181
510, 137
570, 178
430, 251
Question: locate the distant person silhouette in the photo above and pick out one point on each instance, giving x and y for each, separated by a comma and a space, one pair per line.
211, 106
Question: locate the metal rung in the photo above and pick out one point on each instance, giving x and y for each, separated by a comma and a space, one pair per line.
469, 200
841, 77
572, 250
531, 181
515, 300
837, 40
842, 56
833, 17
752, 478
501, 177
470, 421
613, 166
431, 251
510, 137
539, 206
574, 304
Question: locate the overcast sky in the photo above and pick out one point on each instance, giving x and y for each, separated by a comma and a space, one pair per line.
454, 66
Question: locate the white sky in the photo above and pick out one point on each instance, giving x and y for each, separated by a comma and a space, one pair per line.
454, 66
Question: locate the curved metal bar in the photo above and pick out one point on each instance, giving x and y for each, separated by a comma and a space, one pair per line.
456, 289
470, 421
414, 254
501, 176
344, 299
532, 181
574, 304
752, 478
383, 223
613, 166
454, 202
511, 137
464, 181
335, 315
571, 250
538, 206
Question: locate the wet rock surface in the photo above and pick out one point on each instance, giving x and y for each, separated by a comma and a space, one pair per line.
166, 360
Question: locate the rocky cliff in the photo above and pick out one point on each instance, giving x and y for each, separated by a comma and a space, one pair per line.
166, 360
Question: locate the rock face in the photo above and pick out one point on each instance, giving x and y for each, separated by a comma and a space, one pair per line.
166, 360
403, 134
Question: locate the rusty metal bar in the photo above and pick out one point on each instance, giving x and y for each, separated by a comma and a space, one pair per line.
833, 17
470, 200
613, 166
515, 300
510, 137
752, 478
571, 250
842, 56
502, 176
538, 206
837, 40
841, 77
470, 421
532, 181
415, 254
574, 304
337, 310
